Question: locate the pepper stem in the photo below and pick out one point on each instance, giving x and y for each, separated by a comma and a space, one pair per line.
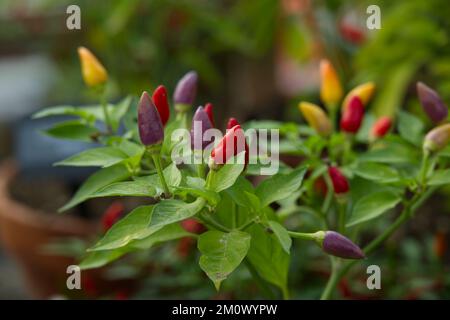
157, 160
315, 236
424, 168
105, 108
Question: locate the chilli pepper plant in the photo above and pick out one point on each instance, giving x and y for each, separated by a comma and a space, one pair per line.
200, 185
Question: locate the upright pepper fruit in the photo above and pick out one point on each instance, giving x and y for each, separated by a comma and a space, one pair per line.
437, 139
114, 212
209, 110
364, 92
380, 128
330, 89
340, 183
94, 74
316, 118
150, 126
159, 98
353, 115
185, 91
200, 123
232, 122
231, 145
432, 103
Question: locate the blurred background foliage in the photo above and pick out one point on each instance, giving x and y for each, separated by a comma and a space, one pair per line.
256, 60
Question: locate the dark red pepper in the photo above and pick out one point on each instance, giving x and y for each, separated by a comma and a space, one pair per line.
114, 212
352, 115
232, 122
209, 110
340, 183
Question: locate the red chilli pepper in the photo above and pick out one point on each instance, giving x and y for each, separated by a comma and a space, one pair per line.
193, 226
209, 110
232, 122
112, 215
231, 145
352, 116
380, 127
340, 183
159, 98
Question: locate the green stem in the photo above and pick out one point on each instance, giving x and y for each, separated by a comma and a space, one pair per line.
105, 110
201, 170
348, 144
424, 168
329, 196
246, 225
213, 222
304, 236
342, 208
285, 292
333, 116
157, 160
332, 281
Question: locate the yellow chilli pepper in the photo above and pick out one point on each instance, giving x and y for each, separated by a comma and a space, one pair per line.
437, 139
330, 89
316, 118
364, 92
92, 70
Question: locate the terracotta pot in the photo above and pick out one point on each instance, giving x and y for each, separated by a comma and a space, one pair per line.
25, 231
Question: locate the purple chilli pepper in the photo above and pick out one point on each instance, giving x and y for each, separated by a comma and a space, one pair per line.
150, 126
186, 89
432, 103
200, 123
337, 245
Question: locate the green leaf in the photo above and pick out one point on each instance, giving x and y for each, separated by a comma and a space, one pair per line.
170, 211
97, 181
170, 232
212, 197
97, 259
126, 189
96, 157
72, 130
226, 176
268, 257
373, 205
171, 174
118, 111
222, 253
410, 128
282, 235
195, 182
64, 111
133, 226
391, 154
376, 172
131, 148
280, 186
439, 177
239, 192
